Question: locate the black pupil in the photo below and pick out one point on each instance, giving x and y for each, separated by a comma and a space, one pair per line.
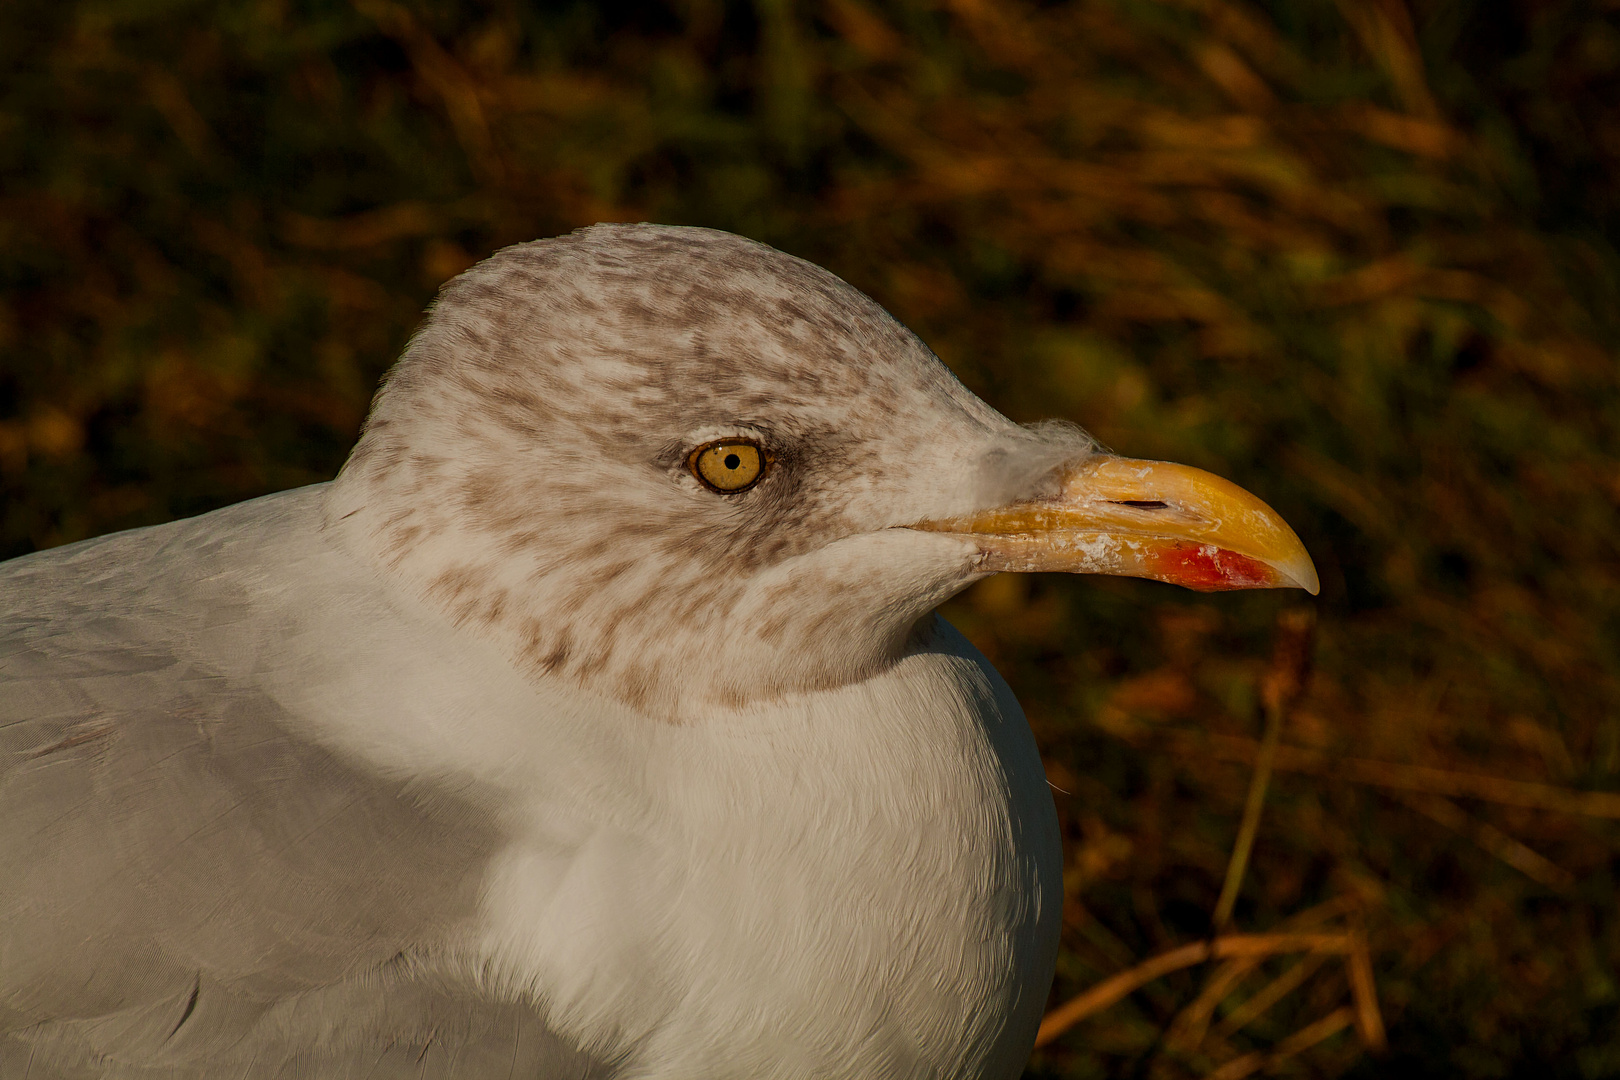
732, 461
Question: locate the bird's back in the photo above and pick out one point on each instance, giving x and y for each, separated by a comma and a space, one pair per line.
188, 883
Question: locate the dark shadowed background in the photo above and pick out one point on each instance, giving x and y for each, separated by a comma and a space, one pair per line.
1359, 257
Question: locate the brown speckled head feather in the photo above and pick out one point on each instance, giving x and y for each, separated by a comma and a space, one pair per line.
524, 467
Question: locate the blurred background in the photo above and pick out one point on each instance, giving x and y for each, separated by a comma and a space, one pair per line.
1359, 257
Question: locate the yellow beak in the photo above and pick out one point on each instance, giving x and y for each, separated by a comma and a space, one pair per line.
1148, 519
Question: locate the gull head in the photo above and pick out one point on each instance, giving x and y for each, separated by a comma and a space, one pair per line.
688, 472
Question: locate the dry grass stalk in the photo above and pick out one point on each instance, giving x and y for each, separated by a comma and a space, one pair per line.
1282, 686
1191, 1025
1389, 774
1188, 1030
1229, 946
1364, 992
1532, 864
1300, 1041
1267, 996
1115, 987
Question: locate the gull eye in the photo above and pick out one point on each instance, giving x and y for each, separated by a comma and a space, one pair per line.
727, 466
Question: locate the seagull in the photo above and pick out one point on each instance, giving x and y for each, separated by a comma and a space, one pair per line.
595, 721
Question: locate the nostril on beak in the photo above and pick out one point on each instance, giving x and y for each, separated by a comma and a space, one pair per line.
1142, 504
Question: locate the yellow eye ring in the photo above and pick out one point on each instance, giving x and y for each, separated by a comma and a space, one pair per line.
728, 466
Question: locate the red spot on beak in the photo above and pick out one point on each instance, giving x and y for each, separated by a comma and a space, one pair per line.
1208, 568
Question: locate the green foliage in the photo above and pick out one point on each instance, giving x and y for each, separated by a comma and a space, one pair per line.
1360, 257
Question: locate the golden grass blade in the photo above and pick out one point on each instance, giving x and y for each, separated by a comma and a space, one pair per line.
1267, 996
1116, 986
1389, 774
1282, 685
1532, 864
440, 71
1191, 1026
1192, 1023
1318, 914
1300, 1041
1258, 783
1369, 1020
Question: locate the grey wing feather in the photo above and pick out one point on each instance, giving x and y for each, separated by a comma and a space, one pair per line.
185, 884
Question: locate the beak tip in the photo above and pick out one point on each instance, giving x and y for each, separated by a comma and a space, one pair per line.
1302, 575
